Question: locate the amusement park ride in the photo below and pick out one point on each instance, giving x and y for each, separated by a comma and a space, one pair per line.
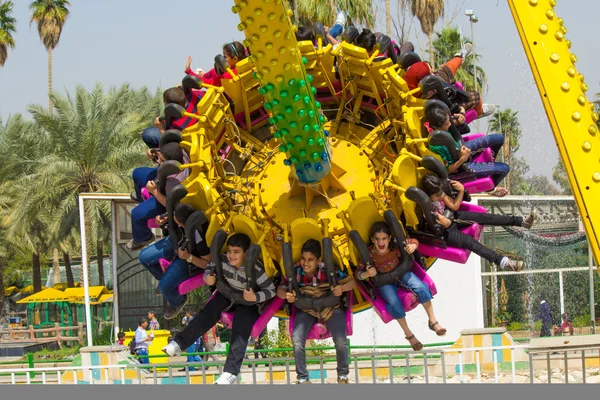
330, 179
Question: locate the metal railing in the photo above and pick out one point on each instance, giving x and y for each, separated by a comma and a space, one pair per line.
430, 365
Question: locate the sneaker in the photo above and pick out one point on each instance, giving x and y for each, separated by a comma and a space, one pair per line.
173, 311
132, 245
465, 50
342, 379
133, 196
226, 379
341, 19
303, 381
157, 291
172, 349
488, 109
529, 220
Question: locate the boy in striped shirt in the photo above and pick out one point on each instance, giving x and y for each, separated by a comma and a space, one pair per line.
244, 316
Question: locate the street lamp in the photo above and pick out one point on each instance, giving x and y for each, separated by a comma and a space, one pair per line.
473, 20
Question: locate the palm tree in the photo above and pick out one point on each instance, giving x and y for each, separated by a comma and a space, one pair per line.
50, 17
428, 12
310, 11
507, 123
388, 18
447, 43
7, 29
21, 144
95, 144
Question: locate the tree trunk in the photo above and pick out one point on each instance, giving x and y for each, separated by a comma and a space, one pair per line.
2, 298
100, 260
431, 55
88, 246
55, 266
36, 272
388, 18
68, 270
50, 80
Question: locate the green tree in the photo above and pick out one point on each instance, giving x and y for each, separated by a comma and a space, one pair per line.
50, 17
507, 123
446, 44
93, 143
310, 11
21, 144
536, 185
7, 29
559, 175
428, 12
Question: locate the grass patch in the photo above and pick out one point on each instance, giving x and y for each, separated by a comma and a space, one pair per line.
45, 354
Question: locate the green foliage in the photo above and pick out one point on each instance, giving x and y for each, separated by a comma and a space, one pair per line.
310, 11
45, 354
105, 338
7, 29
447, 43
581, 321
518, 326
559, 175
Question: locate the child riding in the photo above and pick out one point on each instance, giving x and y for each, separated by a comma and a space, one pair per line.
311, 275
432, 186
386, 255
233, 52
244, 315
439, 119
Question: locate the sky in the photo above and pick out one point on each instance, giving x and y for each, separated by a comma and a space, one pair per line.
147, 42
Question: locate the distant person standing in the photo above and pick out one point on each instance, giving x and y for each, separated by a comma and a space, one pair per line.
211, 338
153, 322
545, 315
141, 341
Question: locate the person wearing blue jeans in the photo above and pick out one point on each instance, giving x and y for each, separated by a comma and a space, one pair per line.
156, 204
150, 256
151, 136
387, 256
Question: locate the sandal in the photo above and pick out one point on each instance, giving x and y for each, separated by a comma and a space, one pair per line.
439, 332
499, 192
417, 346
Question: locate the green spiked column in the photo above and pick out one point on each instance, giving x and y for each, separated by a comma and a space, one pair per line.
286, 87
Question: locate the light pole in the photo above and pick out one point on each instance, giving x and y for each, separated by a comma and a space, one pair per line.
473, 19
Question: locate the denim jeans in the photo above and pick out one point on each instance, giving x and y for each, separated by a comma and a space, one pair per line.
151, 136
193, 359
141, 176
494, 141
140, 215
390, 293
178, 271
142, 352
303, 322
149, 256
336, 30
497, 171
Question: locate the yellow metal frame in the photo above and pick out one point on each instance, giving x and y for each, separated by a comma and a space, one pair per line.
571, 115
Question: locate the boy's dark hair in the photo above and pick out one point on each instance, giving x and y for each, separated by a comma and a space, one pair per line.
183, 212
431, 184
436, 117
151, 312
239, 240
142, 320
174, 95
121, 335
172, 151
312, 246
367, 40
235, 49
305, 33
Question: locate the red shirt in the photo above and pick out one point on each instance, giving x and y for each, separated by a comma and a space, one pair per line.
211, 77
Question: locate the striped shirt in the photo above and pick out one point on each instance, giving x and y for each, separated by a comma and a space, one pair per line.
236, 278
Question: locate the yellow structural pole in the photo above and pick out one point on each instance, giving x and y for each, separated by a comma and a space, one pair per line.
569, 112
